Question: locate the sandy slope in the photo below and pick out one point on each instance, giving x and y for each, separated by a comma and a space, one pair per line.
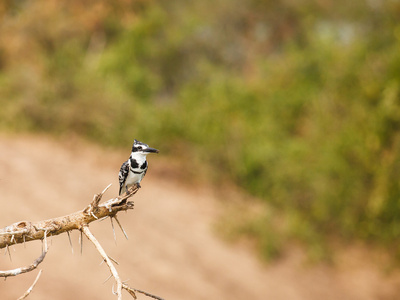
171, 252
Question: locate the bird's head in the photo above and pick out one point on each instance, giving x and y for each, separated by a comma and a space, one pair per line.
142, 148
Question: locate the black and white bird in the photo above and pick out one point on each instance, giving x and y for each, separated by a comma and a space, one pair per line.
133, 170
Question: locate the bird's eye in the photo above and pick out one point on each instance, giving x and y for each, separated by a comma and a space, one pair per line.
140, 147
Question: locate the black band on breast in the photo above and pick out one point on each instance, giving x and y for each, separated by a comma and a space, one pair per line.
137, 172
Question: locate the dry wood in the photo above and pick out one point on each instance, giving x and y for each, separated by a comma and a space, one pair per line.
26, 294
108, 260
113, 270
25, 231
29, 268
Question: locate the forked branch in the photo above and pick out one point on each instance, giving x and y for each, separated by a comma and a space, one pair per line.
90, 236
29, 268
113, 270
25, 231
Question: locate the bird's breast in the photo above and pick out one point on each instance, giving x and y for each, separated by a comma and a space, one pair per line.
134, 177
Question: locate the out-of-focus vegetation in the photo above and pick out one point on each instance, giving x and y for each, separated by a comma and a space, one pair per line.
297, 102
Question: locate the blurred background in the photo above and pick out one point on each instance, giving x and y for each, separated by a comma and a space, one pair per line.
288, 112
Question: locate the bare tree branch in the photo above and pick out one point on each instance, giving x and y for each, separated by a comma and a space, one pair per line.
29, 268
25, 231
113, 270
129, 289
108, 260
31, 287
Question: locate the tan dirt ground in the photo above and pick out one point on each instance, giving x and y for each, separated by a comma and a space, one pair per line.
172, 251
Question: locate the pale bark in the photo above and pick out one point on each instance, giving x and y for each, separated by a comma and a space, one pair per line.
25, 231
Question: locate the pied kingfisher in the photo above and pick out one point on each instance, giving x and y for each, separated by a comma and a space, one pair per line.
133, 170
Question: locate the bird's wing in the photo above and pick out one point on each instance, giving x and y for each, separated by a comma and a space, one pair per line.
145, 171
123, 173
144, 167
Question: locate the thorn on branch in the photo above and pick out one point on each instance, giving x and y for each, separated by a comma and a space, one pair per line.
107, 278
81, 242
112, 225
70, 242
8, 251
120, 226
113, 260
133, 290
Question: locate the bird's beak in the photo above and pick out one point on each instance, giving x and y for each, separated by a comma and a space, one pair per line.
150, 150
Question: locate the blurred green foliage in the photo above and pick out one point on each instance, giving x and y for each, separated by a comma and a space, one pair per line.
295, 102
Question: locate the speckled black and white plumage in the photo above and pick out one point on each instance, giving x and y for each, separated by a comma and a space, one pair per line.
133, 170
